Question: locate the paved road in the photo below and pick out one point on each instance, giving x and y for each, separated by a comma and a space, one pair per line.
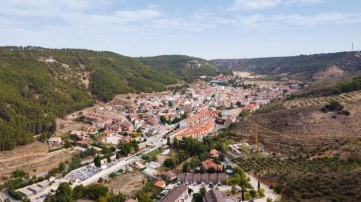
157, 142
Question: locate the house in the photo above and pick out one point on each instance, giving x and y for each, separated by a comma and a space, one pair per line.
213, 153
214, 195
154, 165
108, 133
198, 131
126, 139
209, 164
83, 143
178, 194
55, 140
169, 175
202, 116
160, 184
25, 192
198, 178
127, 127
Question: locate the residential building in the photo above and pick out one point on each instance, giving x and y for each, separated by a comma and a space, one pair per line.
209, 164
198, 178
202, 116
214, 195
178, 194
55, 140
160, 184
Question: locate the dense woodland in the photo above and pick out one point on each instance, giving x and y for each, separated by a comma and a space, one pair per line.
34, 91
177, 65
301, 66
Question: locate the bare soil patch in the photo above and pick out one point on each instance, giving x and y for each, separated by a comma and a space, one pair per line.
290, 130
128, 184
32, 157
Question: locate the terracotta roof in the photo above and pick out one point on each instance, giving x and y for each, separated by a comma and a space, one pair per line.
108, 132
160, 184
199, 129
210, 164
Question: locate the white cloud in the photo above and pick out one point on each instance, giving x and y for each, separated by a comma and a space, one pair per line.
305, 1
253, 4
296, 21
266, 4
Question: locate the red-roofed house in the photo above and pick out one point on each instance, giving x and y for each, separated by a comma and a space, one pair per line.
108, 133
208, 164
160, 184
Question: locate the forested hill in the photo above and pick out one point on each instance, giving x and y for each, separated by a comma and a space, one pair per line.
183, 67
304, 66
38, 84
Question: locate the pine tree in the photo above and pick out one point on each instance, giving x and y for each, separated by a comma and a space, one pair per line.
97, 161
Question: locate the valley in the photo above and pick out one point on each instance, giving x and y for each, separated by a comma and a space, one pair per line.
180, 101
274, 128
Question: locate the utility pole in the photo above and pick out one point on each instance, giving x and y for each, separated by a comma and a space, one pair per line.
352, 47
256, 139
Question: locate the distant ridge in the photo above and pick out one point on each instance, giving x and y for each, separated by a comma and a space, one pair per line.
183, 67
302, 66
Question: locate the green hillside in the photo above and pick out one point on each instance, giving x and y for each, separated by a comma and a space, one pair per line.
183, 67
303, 66
40, 84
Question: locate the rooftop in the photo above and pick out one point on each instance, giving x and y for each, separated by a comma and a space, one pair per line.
174, 194
214, 195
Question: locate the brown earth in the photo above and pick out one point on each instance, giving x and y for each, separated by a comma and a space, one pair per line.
302, 128
128, 184
329, 73
32, 157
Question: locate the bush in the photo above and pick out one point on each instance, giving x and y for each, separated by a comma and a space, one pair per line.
278, 188
261, 192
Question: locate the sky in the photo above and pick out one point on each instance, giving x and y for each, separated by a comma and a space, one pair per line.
210, 29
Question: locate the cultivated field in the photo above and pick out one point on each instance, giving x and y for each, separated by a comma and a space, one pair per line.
261, 83
304, 102
246, 74
32, 157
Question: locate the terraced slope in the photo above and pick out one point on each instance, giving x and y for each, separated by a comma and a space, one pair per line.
304, 102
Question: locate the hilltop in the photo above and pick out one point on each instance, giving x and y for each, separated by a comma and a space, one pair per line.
315, 142
183, 67
301, 121
39, 84
307, 67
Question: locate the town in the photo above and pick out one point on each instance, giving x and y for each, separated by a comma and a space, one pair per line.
137, 128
